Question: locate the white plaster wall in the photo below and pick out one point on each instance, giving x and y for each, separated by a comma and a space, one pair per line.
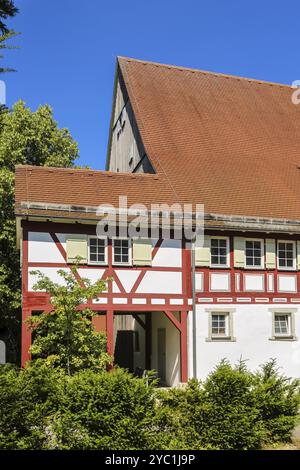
159, 320
252, 328
161, 282
169, 254
41, 248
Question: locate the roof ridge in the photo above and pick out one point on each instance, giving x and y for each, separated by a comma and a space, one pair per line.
205, 72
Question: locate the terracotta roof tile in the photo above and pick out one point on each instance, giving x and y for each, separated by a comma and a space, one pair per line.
228, 142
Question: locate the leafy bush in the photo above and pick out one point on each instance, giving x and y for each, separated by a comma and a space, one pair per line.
277, 399
232, 409
43, 407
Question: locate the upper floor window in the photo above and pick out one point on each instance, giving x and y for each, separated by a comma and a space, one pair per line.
219, 252
97, 250
286, 255
121, 251
254, 253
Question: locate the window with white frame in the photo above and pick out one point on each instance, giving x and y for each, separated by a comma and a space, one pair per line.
283, 325
97, 250
219, 252
220, 325
253, 253
121, 251
286, 255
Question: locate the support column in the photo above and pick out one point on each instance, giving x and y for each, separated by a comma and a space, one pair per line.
182, 328
110, 332
183, 347
26, 337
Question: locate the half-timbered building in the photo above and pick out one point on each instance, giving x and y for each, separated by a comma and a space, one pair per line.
180, 136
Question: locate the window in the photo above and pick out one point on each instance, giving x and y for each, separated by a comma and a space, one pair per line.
286, 255
121, 251
283, 326
253, 251
97, 250
219, 252
220, 325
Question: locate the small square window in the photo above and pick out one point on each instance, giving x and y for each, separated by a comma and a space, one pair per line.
253, 251
283, 326
219, 252
286, 255
97, 250
121, 251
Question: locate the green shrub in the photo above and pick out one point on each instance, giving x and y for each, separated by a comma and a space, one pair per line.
42, 407
232, 409
277, 399
27, 398
106, 411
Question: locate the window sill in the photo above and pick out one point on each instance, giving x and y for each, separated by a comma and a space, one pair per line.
283, 338
91, 263
218, 266
222, 339
254, 268
127, 265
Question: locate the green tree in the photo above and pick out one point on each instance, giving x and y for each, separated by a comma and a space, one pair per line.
32, 138
65, 337
7, 10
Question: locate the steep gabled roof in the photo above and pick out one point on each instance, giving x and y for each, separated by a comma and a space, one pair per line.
228, 142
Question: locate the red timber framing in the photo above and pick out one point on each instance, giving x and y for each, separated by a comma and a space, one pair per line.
38, 301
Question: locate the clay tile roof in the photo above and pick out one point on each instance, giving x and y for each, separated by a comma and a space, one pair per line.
84, 188
228, 142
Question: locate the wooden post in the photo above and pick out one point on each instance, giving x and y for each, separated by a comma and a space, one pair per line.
110, 331
26, 337
183, 347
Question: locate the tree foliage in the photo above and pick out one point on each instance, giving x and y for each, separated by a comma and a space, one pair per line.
32, 138
7, 10
65, 337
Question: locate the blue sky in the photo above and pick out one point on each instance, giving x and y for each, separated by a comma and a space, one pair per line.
68, 49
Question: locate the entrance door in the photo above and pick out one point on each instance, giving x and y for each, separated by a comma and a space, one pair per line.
161, 355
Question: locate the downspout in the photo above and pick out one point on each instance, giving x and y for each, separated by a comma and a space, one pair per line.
194, 335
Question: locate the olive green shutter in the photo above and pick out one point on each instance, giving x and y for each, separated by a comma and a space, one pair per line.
77, 248
270, 253
298, 254
202, 253
142, 252
239, 252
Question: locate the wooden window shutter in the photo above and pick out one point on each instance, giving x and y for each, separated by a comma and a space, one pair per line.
298, 254
202, 253
77, 247
239, 252
142, 252
270, 253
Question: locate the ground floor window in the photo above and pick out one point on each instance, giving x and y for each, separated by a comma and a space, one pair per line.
283, 325
220, 325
